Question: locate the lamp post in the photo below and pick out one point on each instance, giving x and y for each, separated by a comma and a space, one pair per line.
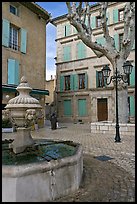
117, 77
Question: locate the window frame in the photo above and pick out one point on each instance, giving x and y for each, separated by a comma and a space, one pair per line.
98, 20
83, 78
67, 80
14, 40
101, 83
16, 10
119, 14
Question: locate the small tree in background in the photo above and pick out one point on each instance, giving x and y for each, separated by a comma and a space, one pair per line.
79, 15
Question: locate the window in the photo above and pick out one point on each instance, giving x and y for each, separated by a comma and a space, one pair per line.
13, 10
98, 21
67, 107
67, 82
13, 40
121, 15
100, 79
120, 41
81, 81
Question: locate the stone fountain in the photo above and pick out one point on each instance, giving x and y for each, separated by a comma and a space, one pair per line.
28, 175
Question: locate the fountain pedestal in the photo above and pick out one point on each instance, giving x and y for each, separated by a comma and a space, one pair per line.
22, 140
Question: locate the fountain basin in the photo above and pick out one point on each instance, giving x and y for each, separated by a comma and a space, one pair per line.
44, 180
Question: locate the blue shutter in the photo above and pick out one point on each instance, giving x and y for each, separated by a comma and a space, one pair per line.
115, 15
101, 40
61, 83
116, 39
132, 77
67, 108
82, 107
17, 72
133, 45
13, 71
97, 79
71, 82
75, 82
93, 22
66, 53
5, 32
81, 50
23, 46
132, 106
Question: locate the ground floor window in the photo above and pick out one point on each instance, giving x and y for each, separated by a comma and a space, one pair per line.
67, 107
82, 107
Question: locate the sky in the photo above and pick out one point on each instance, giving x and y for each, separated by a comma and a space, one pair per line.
56, 9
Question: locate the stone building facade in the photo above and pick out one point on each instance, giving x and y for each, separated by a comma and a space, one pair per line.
23, 48
79, 90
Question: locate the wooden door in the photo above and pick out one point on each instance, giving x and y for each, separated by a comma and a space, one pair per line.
102, 109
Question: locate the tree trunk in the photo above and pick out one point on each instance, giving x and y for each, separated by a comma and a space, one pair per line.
122, 94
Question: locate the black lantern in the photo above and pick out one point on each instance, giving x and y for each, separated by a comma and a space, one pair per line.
106, 71
127, 67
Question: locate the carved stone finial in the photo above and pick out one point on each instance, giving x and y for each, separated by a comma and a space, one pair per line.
23, 79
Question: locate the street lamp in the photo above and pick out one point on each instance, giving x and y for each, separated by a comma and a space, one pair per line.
117, 77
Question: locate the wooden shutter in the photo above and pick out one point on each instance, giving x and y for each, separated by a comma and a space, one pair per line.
67, 108
93, 22
66, 53
23, 46
71, 82
115, 15
61, 83
81, 50
75, 82
82, 107
132, 106
132, 77
13, 71
5, 32
116, 39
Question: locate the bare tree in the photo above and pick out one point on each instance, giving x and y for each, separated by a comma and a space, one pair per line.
79, 15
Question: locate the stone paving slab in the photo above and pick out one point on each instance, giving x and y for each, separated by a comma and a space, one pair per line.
120, 168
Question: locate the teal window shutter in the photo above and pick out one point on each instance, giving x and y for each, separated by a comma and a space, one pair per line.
74, 30
132, 106
115, 15
23, 46
81, 50
101, 40
13, 71
82, 107
17, 72
66, 53
71, 82
93, 22
116, 39
97, 84
75, 82
133, 45
5, 32
132, 77
86, 80
67, 108
61, 83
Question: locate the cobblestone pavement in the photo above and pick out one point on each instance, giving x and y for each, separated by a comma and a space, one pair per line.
109, 167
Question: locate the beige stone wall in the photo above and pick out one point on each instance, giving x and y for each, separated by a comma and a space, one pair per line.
90, 64
33, 63
50, 85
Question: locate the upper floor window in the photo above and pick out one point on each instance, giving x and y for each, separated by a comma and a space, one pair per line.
67, 82
13, 40
81, 81
121, 14
100, 82
13, 10
98, 21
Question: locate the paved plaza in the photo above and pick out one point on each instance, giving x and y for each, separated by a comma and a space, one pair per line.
109, 167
